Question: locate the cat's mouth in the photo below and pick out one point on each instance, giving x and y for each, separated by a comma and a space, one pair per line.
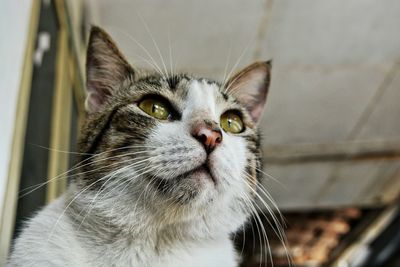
202, 171
199, 173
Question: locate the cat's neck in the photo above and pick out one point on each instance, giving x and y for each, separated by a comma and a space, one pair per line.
100, 226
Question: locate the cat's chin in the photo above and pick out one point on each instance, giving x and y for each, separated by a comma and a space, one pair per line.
196, 186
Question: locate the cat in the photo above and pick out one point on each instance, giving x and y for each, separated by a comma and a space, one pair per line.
169, 165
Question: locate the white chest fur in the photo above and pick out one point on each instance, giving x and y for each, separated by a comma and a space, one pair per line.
64, 248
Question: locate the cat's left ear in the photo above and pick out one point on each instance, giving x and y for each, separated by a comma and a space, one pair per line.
106, 69
250, 87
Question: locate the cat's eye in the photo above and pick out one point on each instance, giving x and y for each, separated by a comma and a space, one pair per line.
231, 122
155, 107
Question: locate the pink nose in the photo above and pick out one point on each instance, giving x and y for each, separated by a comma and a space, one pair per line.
209, 137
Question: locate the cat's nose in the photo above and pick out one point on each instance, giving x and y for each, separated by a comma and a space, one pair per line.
209, 136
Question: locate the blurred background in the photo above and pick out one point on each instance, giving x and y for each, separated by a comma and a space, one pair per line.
331, 129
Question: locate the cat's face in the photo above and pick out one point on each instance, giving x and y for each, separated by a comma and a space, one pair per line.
175, 147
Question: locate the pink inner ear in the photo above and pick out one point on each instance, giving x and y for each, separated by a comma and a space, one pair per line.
257, 112
94, 102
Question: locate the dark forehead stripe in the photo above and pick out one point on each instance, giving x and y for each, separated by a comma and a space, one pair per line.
208, 81
153, 80
225, 96
175, 79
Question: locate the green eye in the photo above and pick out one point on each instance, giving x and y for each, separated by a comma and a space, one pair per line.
156, 108
231, 122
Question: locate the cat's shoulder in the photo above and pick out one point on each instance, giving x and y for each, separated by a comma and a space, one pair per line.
46, 239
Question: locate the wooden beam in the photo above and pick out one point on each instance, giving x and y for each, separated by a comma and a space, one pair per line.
61, 120
341, 151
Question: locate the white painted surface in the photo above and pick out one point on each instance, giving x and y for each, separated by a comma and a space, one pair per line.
14, 24
333, 33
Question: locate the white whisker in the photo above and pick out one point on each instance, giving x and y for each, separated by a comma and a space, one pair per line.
155, 45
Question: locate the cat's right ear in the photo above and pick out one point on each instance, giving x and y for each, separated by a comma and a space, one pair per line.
106, 69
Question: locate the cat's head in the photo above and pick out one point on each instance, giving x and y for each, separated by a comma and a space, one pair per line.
171, 148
